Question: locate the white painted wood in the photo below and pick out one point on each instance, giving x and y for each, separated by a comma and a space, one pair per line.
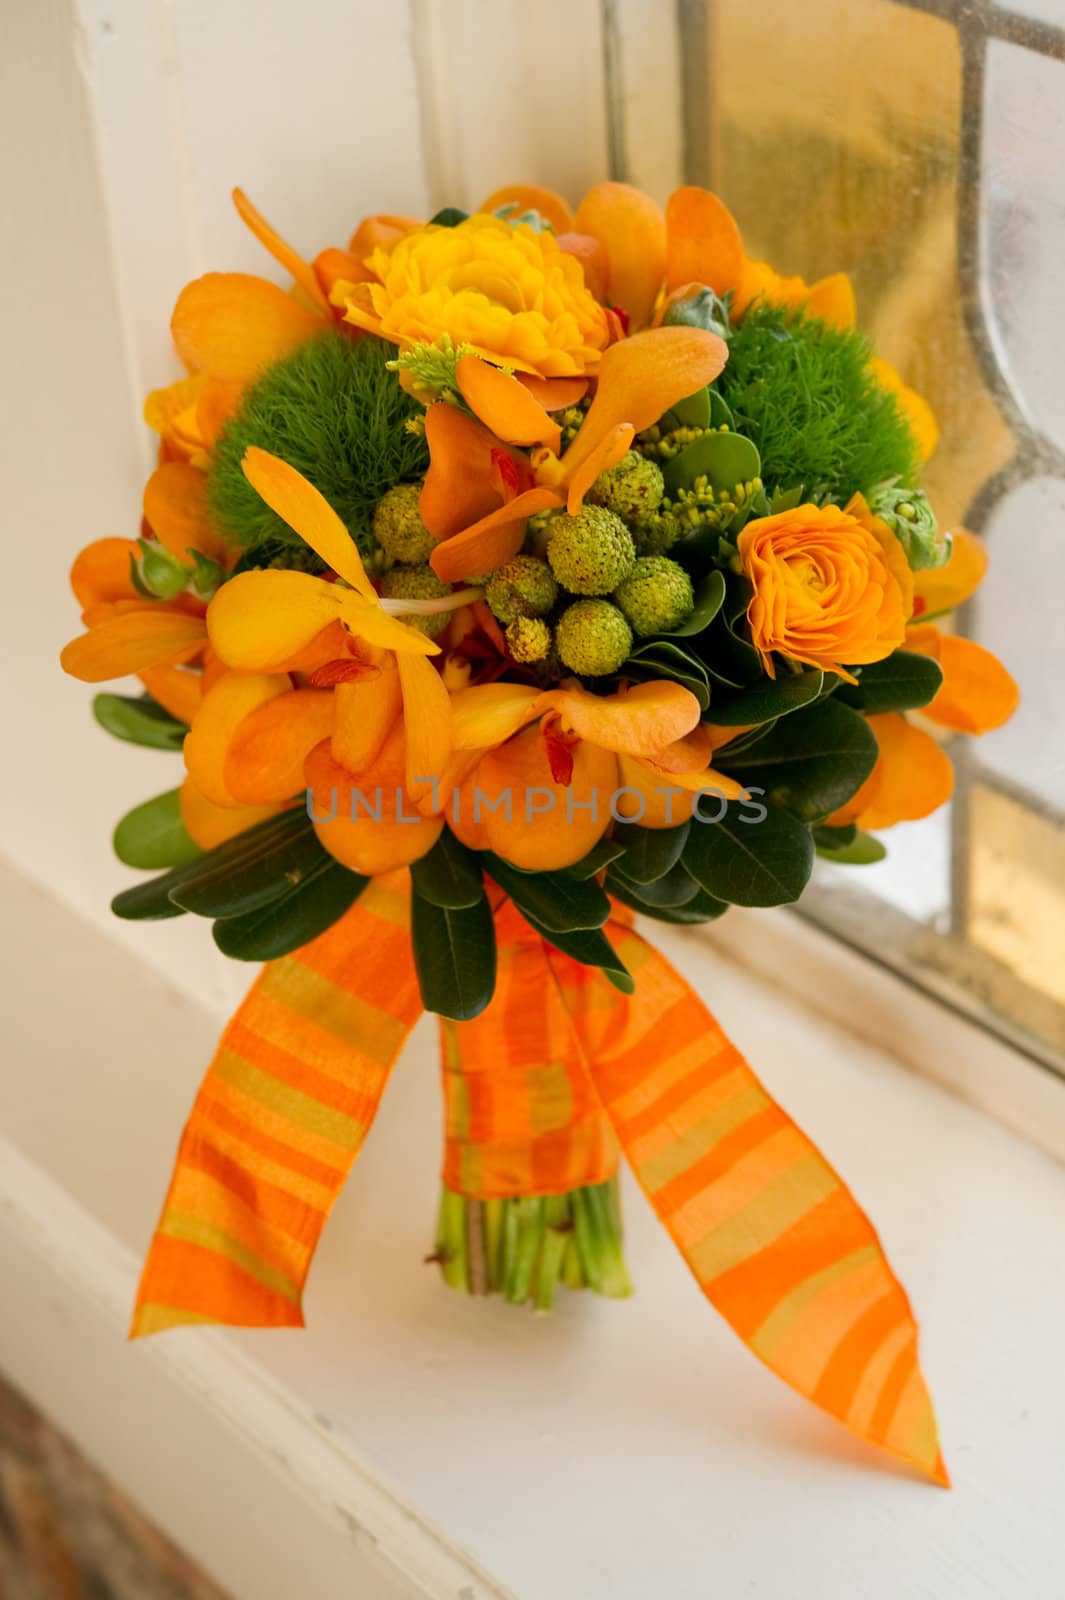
649, 93
609, 1452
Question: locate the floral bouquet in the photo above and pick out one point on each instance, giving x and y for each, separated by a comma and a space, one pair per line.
507, 575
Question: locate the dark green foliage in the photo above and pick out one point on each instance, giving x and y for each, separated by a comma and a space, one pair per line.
803, 392
277, 552
334, 412
810, 763
454, 955
139, 720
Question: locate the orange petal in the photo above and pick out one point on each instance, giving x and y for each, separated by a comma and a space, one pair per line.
101, 572
640, 721
632, 229
175, 508
266, 755
132, 642
309, 514
640, 378
688, 755
531, 197
505, 405
492, 540
610, 449
703, 243
380, 232
281, 250
595, 263
538, 825
662, 798
942, 588
177, 690
219, 400
222, 710
333, 643
977, 693
489, 713
334, 266
912, 778
918, 412
233, 325
365, 714
370, 827
427, 725
259, 620
832, 299
459, 488
555, 394
212, 825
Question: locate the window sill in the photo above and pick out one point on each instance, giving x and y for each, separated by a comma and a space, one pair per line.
616, 1450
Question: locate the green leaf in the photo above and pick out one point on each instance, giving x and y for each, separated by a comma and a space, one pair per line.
234, 883
660, 658
709, 596
701, 908
772, 698
153, 835
139, 720
826, 838
449, 217
557, 901
598, 857
902, 682
674, 888
650, 852
786, 499
751, 861
151, 900
692, 412
724, 459
589, 946
811, 763
861, 852
455, 956
294, 919
720, 411
450, 875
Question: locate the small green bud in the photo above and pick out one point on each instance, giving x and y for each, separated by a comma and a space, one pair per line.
911, 519
528, 639
632, 488
163, 575
592, 552
593, 638
418, 583
656, 596
206, 576
398, 526
523, 587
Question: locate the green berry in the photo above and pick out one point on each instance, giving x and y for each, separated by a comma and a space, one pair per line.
398, 526
528, 639
656, 596
418, 583
593, 638
592, 552
523, 587
632, 488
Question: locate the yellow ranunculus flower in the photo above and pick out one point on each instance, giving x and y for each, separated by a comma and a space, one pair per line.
509, 292
831, 588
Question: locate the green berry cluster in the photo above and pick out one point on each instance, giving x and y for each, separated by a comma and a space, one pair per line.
418, 583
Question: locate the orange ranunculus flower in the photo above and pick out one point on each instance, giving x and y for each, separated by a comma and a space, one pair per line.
510, 293
830, 589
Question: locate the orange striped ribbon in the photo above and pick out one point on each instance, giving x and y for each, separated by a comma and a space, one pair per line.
521, 1116
772, 1234
278, 1122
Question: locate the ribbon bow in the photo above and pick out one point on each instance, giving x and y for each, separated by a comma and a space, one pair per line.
772, 1234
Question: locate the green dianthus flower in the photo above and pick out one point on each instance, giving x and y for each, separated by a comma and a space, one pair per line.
528, 639
656, 596
398, 526
593, 638
592, 552
523, 587
418, 583
632, 488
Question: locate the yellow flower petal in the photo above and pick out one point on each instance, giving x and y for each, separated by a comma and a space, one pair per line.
641, 721
308, 513
259, 619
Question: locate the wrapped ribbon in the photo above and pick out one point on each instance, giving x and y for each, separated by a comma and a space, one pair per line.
540, 1091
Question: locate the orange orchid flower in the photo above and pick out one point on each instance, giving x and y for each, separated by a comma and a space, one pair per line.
480, 490
541, 796
126, 632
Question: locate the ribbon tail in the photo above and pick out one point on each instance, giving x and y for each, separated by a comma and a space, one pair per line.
520, 1113
772, 1234
279, 1121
